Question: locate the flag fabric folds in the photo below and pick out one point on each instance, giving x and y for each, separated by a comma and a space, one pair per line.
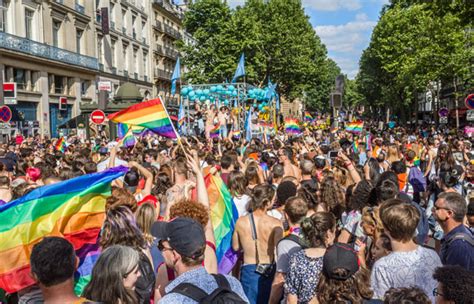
72, 209
240, 71
215, 131
355, 126
292, 126
176, 75
223, 218
149, 114
127, 139
308, 117
61, 145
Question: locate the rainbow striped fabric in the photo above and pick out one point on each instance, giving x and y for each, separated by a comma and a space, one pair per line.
61, 145
308, 117
215, 131
355, 146
355, 126
223, 217
126, 138
235, 133
73, 209
150, 114
292, 126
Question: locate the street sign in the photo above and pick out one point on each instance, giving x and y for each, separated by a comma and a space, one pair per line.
443, 120
470, 101
105, 86
10, 101
470, 115
62, 103
98, 117
9, 90
443, 112
5, 114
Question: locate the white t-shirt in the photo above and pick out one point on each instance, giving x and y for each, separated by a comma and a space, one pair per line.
241, 203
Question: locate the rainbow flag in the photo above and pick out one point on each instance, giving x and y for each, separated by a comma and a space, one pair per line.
61, 145
308, 117
355, 126
235, 134
355, 146
292, 126
215, 131
73, 209
150, 114
223, 217
127, 138
416, 161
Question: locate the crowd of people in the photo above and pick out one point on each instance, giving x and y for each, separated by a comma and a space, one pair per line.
382, 216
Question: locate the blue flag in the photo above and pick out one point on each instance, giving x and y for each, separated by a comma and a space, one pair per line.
176, 75
181, 117
271, 90
240, 71
248, 126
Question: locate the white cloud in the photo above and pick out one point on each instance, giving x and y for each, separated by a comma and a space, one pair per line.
345, 42
332, 5
234, 3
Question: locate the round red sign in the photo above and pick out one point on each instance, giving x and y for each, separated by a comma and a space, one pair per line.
98, 117
5, 114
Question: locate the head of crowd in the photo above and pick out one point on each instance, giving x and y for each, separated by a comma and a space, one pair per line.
382, 216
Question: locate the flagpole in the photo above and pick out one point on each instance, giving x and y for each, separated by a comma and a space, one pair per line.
172, 125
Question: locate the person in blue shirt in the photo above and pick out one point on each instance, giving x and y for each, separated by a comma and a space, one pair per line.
457, 245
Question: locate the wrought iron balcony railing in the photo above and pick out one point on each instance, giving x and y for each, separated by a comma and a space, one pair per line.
27, 46
79, 8
159, 73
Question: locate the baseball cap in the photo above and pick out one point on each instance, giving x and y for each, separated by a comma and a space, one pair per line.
340, 256
184, 234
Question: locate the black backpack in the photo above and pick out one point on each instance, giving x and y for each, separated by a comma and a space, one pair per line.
222, 294
296, 239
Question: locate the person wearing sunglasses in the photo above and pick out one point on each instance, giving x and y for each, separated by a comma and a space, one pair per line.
454, 285
457, 245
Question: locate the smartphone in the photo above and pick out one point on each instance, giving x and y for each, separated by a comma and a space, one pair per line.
333, 154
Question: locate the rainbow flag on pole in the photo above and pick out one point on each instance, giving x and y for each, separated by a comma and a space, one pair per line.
292, 126
61, 145
355, 146
127, 139
223, 218
308, 117
215, 131
355, 126
150, 114
72, 209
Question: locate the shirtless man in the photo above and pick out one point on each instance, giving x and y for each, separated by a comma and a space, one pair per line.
256, 283
285, 156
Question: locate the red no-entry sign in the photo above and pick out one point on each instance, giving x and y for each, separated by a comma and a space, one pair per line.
98, 117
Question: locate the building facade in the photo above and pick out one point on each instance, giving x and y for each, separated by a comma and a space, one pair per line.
58, 50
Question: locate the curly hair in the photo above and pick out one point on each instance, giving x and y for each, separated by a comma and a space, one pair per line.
120, 197
332, 195
406, 295
456, 283
362, 195
120, 228
353, 290
191, 209
315, 228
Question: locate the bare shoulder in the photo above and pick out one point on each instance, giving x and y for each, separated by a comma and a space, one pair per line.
272, 221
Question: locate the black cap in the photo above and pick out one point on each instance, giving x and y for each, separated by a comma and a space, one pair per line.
184, 234
340, 256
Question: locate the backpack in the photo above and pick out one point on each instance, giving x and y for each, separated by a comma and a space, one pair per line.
223, 294
417, 179
469, 238
145, 285
296, 239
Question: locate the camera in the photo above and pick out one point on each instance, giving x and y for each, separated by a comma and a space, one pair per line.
265, 270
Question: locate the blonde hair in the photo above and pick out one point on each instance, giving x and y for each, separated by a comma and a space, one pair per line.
371, 216
146, 215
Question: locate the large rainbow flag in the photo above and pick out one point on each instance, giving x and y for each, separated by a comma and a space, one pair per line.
223, 217
73, 209
126, 138
355, 126
308, 117
292, 126
148, 114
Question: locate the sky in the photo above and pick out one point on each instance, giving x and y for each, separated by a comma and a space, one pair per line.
344, 26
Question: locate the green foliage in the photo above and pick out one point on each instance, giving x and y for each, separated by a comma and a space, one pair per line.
277, 38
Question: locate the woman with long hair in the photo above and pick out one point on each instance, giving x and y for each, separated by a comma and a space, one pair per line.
305, 266
114, 276
333, 196
343, 280
237, 183
120, 228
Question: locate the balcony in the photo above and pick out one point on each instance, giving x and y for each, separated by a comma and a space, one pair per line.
171, 53
125, 73
124, 30
158, 26
114, 71
162, 74
59, 1
159, 50
143, 40
112, 25
145, 78
80, 9
19, 44
135, 75
173, 9
101, 67
172, 32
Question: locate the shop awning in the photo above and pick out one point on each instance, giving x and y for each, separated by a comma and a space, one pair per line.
74, 122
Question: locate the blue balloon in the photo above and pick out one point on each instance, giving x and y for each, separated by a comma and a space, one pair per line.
213, 89
190, 88
184, 91
251, 92
220, 88
231, 88
199, 92
202, 98
191, 94
235, 94
228, 92
226, 102
206, 91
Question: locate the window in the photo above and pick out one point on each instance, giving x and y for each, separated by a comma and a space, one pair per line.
112, 53
112, 8
78, 40
99, 49
84, 87
124, 17
59, 84
19, 76
56, 29
3, 16
29, 14
145, 64
124, 54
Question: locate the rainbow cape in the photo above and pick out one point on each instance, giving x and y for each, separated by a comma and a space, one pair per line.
150, 114
215, 131
355, 126
308, 117
61, 145
292, 126
72, 209
223, 217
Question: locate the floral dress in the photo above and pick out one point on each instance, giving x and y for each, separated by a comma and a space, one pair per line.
303, 276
